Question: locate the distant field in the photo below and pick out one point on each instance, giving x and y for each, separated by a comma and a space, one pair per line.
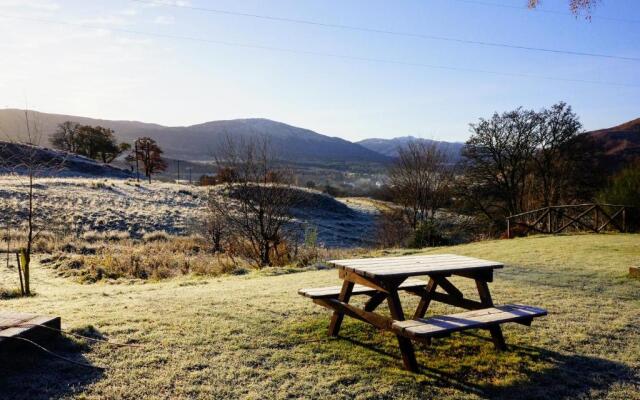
253, 337
126, 205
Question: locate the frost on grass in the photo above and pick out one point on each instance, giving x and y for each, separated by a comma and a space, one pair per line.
113, 207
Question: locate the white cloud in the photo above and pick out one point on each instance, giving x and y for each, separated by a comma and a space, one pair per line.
164, 20
129, 12
44, 5
111, 20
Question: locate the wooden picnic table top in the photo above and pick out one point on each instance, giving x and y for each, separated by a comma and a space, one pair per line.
406, 266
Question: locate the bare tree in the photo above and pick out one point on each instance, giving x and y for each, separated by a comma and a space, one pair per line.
498, 157
257, 202
215, 226
554, 136
420, 180
147, 151
28, 162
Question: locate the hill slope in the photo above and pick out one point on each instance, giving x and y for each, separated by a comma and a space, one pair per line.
201, 142
621, 143
389, 147
53, 162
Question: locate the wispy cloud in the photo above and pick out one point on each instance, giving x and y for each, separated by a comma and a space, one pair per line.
106, 20
129, 12
43, 5
164, 20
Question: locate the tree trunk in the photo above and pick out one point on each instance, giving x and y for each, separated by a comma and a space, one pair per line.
264, 255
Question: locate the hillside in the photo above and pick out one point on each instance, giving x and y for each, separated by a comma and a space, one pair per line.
54, 163
116, 205
621, 143
254, 337
203, 141
389, 147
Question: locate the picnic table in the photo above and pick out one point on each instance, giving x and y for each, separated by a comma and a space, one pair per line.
383, 278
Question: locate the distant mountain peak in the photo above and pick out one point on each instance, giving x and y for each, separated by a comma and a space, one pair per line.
389, 147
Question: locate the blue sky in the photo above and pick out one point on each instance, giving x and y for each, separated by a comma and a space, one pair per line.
74, 57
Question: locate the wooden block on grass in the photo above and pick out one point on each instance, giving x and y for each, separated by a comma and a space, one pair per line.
634, 272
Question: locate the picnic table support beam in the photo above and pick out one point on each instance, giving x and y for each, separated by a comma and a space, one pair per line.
487, 301
425, 299
337, 317
379, 321
375, 301
406, 347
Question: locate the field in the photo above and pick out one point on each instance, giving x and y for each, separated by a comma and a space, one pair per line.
253, 337
124, 205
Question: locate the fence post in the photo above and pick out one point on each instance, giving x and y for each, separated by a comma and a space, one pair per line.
624, 219
508, 228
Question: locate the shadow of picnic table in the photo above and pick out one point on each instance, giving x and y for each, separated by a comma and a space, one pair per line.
569, 376
27, 372
566, 376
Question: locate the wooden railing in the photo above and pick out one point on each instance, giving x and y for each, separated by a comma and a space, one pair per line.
574, 217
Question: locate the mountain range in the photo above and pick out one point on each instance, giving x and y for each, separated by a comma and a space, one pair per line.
202, 142
389, 147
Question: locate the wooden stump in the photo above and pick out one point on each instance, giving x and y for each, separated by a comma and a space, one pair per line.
634, 272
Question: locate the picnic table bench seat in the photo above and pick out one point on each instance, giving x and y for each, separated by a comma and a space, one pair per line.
443, 325
330, 292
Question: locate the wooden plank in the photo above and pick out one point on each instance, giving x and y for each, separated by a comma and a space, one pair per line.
387, 259
414, 261
334, 291
27, 326
417, 271
425, 266
485, 318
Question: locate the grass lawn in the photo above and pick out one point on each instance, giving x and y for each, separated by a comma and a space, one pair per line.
253, 337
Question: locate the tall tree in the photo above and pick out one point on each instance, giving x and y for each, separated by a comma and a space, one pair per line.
557, 130
257, 202
147, 151
498, 156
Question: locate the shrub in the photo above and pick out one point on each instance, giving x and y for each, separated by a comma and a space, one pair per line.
624, 189
428, 233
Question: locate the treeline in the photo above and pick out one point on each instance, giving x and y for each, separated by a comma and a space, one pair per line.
94, 142
513, 162
100, 144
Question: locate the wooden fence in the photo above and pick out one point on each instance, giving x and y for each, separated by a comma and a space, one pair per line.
574, 217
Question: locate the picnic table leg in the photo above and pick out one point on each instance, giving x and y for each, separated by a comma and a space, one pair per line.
485, 298
336, 318
406, 347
